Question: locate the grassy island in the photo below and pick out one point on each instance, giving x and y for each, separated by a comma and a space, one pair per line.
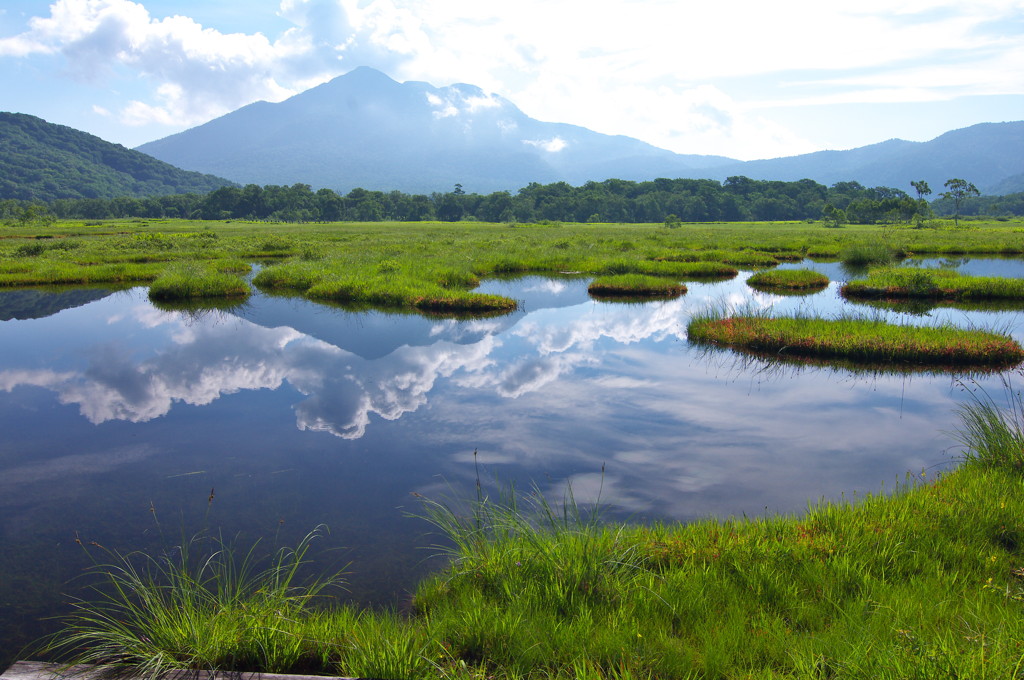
788, 280
635, 285
851, 339
934, 284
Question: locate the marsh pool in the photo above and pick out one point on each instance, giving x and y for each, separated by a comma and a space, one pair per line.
132, 426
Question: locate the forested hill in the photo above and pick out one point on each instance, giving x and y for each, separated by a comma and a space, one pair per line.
41, 161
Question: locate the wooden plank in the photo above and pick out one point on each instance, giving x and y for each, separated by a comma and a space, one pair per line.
38, 670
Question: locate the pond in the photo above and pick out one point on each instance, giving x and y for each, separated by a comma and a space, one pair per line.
132, 426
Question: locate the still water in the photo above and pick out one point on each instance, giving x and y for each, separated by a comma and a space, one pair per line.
131, 426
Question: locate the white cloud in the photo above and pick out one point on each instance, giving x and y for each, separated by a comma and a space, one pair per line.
676, 77
553, 145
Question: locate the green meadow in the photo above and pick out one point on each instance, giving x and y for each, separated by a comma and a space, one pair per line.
433, 266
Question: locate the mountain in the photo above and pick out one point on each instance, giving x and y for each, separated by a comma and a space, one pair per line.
363, 129
989, 155
42, 161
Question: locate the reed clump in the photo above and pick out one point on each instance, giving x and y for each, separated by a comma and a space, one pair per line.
856, 339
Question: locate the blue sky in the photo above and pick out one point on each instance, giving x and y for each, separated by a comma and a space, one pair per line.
745, 79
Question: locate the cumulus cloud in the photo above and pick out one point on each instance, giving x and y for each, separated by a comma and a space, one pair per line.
678, 84
196, 72
553, 145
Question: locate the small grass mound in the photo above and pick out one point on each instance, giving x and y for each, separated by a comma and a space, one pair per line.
933, 284
194, 283
405, 293
635, 285
858, 340
788, 279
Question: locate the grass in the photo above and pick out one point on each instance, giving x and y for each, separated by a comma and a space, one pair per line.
933, 284
635, 285
788, 279
158, 614
857, 340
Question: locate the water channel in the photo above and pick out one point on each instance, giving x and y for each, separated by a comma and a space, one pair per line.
131, 426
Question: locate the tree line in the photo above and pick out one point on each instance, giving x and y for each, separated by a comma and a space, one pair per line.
614, 200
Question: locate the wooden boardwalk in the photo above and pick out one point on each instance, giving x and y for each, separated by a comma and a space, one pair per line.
36, 670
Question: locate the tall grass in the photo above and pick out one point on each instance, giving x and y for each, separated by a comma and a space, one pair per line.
200, 606
993, 435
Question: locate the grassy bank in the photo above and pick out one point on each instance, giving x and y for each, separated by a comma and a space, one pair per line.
926, 581
933, 284
854, 339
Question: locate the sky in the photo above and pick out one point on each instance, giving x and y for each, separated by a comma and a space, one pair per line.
745, 79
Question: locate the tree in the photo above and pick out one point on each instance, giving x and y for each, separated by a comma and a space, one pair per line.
922, 189
957, 190
833, 216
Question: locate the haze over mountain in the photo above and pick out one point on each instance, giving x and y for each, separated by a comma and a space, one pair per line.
41, 161
365, 130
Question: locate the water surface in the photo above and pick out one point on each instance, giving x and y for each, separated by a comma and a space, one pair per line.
122, 420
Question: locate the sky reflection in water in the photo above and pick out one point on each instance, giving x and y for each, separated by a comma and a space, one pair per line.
298, 414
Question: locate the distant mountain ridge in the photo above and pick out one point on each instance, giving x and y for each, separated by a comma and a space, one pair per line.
42, 161
990, 155
365, 130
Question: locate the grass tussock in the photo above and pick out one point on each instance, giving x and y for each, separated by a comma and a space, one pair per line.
933, 284
635, 285
788, 279
188, 282
199, 606
926, 581
853, 339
